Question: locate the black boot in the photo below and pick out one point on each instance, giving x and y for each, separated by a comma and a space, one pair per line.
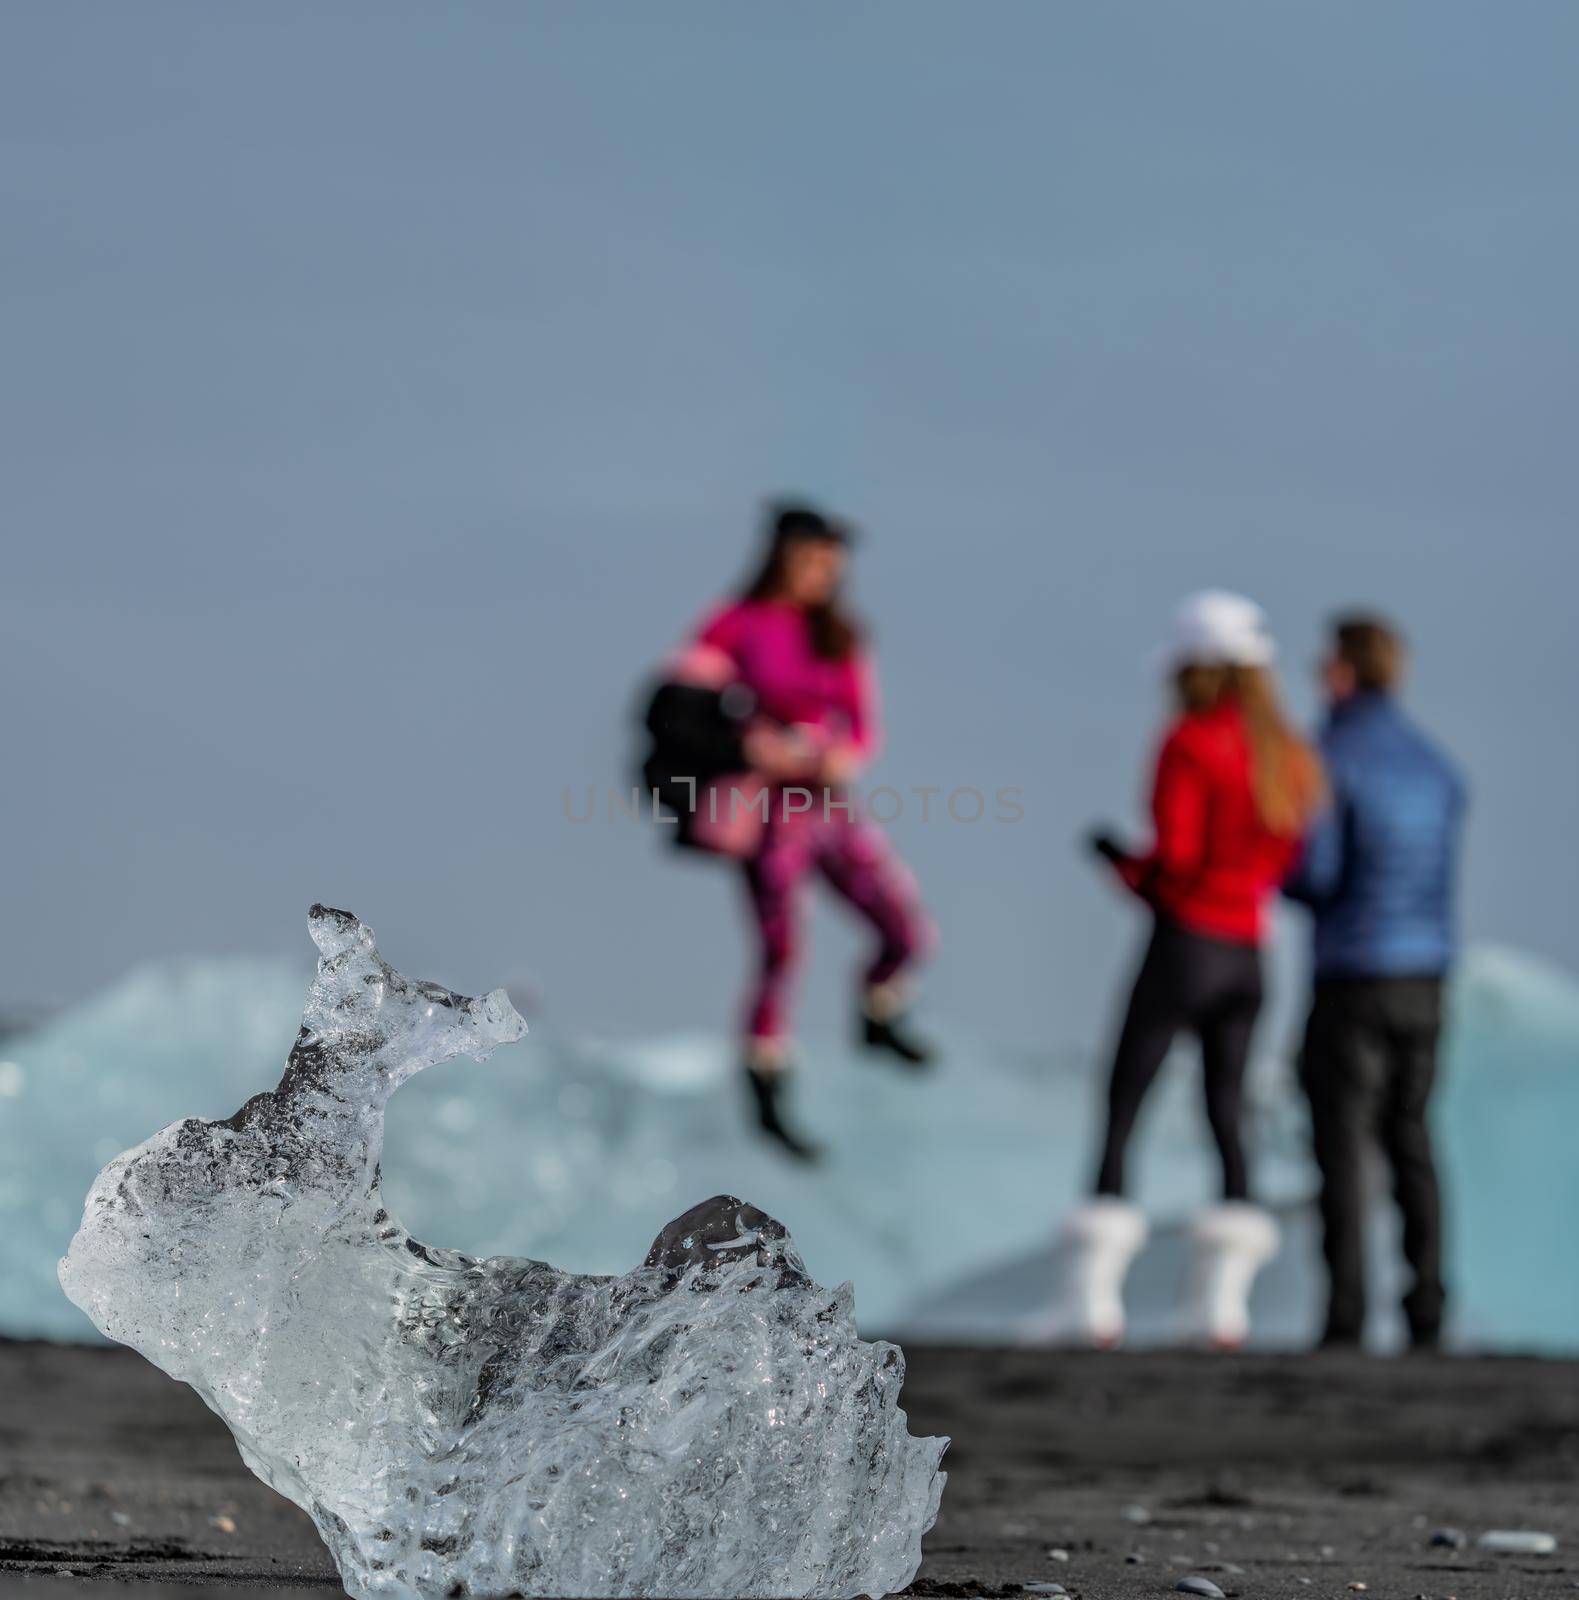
767, 1091
891, 1035
1425, 1338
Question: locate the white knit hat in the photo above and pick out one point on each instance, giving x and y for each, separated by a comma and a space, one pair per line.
1217, 628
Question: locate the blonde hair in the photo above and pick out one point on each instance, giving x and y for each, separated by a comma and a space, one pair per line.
1285, 772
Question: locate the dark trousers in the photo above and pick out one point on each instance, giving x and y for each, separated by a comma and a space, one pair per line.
1369, 1065
1211, 988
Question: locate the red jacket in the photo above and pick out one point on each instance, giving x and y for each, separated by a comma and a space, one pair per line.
1214, 866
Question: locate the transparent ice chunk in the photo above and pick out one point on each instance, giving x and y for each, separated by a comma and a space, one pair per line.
707, 1424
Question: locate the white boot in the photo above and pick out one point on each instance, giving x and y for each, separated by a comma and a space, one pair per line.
1096, 1245
1229, 1245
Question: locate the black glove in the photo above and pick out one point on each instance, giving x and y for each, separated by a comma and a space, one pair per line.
1102, 843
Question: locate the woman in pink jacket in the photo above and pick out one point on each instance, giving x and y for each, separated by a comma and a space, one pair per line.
789, 640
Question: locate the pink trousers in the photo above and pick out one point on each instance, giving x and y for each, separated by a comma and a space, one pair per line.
854, 856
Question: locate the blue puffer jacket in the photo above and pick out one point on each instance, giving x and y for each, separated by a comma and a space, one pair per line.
1379, 868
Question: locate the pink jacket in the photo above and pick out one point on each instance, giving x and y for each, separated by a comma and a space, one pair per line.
769, 645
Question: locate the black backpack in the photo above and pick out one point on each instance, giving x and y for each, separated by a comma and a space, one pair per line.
696, 734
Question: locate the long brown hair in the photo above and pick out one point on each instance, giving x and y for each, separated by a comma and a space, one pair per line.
834, 632
1285, 772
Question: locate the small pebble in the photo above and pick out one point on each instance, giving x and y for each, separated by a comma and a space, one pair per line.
1057, 1555
1358, 1587
1517, 1542
1044, 1588
1134, 1559
1449, 1538
120, 1519
1137, 1514
1200, 1586
224, 1524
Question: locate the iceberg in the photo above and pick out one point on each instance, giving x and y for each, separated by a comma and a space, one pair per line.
709, 1423
958, 1182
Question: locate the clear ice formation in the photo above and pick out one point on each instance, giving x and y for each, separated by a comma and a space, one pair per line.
708, 1424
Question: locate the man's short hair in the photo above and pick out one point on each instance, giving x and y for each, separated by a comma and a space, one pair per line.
1371, 646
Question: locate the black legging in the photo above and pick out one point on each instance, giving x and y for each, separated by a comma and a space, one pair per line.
1213, 988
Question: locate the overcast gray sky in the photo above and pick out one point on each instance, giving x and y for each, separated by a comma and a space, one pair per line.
385, 387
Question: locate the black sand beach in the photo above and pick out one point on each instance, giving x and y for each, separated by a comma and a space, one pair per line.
1114, 1476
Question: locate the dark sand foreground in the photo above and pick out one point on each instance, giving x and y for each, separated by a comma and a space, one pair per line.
1114, 1476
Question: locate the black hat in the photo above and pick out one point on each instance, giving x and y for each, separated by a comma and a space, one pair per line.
793, 520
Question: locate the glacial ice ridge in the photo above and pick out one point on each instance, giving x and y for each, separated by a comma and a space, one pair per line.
707, 1424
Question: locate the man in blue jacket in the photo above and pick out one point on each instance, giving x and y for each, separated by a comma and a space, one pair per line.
1378, 871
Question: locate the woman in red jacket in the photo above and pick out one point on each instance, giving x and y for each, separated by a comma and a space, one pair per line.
1235, 787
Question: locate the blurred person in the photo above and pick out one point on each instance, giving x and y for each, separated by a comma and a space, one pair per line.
1234, 789
1378, 872
791, 646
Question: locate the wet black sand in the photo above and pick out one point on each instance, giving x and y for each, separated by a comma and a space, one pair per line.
1272, 1476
